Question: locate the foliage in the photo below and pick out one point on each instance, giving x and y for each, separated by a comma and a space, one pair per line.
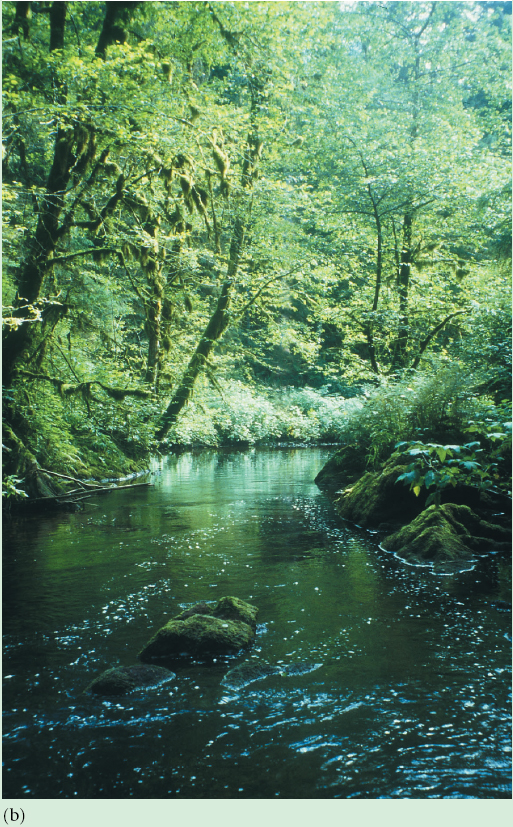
483, 463
435, 405
270, 196
261, 415
11, 489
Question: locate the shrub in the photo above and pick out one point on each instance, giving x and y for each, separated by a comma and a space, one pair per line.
419, 407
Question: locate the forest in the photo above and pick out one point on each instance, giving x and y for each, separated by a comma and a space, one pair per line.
255, 223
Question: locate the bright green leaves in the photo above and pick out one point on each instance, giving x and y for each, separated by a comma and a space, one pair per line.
442, 466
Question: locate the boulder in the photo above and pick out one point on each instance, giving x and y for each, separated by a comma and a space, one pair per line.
227, 608
119, 680
450, 534
343, 468
204, 631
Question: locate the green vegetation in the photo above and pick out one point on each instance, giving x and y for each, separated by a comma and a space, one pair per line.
229, 223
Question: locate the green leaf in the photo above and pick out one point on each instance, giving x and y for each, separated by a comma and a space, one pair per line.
442, 453
429, 479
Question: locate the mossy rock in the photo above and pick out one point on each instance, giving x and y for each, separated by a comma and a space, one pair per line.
377, 498
119, 680
199, 636
227, 608
451, 533
343, 468
205, 631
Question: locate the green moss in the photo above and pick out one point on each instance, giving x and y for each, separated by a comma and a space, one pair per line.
205, 630
449, 533
200, 636
343, 468
376, 498
227, 608
232, 608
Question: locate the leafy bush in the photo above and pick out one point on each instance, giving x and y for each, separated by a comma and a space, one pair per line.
435, 407
10, 489
441, 466
261, 415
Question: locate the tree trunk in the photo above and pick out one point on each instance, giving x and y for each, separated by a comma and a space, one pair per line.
214, 330
22, 19
117, 18
403, 284
153, 328
220, 318
17, 340
57, 25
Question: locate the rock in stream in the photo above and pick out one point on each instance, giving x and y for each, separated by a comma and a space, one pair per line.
205, 631
119, 680
251, 671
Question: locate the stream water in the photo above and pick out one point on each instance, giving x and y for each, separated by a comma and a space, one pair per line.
410, 697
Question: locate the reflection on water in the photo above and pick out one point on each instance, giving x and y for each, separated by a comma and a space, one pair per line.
409, 697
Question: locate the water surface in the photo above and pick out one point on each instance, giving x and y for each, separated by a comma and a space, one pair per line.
411, 699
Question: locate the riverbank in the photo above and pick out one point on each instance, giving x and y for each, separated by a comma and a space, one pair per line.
447, 531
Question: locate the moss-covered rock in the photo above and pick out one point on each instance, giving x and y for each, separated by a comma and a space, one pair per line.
227, 608
199, 636
120, 680
343, 468
376, 498
232, 608
205, 631
451, 533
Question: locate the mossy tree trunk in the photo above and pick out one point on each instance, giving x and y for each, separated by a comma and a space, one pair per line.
220, 319
21, 337
214, 330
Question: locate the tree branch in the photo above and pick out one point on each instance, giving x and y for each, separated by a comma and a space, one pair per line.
424, 343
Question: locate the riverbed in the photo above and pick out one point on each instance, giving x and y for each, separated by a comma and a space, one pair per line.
401, 679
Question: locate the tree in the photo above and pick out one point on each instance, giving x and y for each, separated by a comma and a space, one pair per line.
400, 171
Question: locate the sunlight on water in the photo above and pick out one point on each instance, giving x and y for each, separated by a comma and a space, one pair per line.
368, 679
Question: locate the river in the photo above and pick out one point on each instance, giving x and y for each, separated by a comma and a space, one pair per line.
410, 696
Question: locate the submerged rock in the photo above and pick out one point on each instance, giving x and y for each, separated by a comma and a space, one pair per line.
448, 534
293, 669
119, 680
205, 631
251, 671
247, 673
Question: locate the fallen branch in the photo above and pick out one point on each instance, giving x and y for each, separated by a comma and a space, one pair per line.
71, 497
72, 479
